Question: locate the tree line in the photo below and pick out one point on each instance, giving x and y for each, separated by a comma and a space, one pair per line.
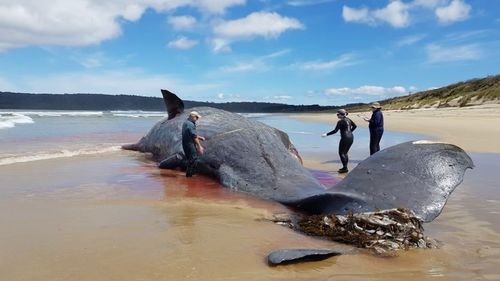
10, 100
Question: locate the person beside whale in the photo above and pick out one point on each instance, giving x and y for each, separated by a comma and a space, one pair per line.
191, 143
346, 126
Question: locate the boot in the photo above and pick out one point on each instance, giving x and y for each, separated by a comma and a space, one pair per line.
343, 170
189, 171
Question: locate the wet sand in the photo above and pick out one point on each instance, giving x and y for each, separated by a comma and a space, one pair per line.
115, 216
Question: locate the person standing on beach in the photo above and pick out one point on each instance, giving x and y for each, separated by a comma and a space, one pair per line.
191, 143
346, 126
376, 126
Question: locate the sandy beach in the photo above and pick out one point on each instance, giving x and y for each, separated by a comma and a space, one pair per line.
475, 128
113, 215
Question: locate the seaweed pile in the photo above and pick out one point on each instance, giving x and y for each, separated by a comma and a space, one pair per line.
381, 231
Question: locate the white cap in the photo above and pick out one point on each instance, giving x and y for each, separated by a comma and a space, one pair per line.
194, 113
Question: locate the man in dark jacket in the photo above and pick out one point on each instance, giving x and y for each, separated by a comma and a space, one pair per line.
376, 126
191, 143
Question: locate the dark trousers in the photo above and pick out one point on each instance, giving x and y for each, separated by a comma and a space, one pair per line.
344, 146
375, 137
192, 159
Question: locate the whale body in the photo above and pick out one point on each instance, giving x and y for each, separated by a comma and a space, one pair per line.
248, 156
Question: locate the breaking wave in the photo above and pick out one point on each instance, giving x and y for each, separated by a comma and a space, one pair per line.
55, 113
9, 120
55, 154
138, 114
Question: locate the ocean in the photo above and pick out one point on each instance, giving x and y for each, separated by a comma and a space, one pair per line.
74, 206
27, 136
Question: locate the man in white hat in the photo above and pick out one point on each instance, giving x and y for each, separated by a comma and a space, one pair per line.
376, 126
191, 142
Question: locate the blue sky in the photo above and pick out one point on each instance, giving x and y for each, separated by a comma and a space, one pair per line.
327, 52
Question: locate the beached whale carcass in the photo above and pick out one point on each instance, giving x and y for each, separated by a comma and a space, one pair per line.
251, 157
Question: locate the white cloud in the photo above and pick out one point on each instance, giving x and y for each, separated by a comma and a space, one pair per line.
256, 64
430, 4
470, 35
278, 98
259, 24
94, 60
456, 11
438, 53
220, 45
342, 61
300, 3
82, 22
212, 6
182, 22
397, 13
277, 54
245, 67
361, 15
222, 97
367, 90
410, 40
182, 43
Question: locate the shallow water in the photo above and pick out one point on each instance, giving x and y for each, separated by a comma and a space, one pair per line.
114, 216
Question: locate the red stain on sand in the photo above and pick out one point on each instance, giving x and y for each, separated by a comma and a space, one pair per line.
175, 184
325, 178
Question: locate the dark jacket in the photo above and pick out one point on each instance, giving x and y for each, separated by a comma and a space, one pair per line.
188, 135
376, 121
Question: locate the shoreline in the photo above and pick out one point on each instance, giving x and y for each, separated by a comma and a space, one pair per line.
471, 128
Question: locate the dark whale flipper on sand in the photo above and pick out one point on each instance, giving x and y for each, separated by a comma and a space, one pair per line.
418, 175
172, 162
289, 256
173, 103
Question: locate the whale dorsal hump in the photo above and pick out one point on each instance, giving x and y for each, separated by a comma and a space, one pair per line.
173, 103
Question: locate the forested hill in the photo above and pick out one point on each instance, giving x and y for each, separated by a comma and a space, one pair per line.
10, 100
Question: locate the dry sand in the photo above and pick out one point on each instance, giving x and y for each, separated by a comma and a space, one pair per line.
475, 129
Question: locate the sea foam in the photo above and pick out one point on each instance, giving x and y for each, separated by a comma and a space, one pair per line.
9, 120
55, 154
54, 113
138, 114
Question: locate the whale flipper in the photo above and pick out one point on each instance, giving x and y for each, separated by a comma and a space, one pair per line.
299, 255
172, 162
